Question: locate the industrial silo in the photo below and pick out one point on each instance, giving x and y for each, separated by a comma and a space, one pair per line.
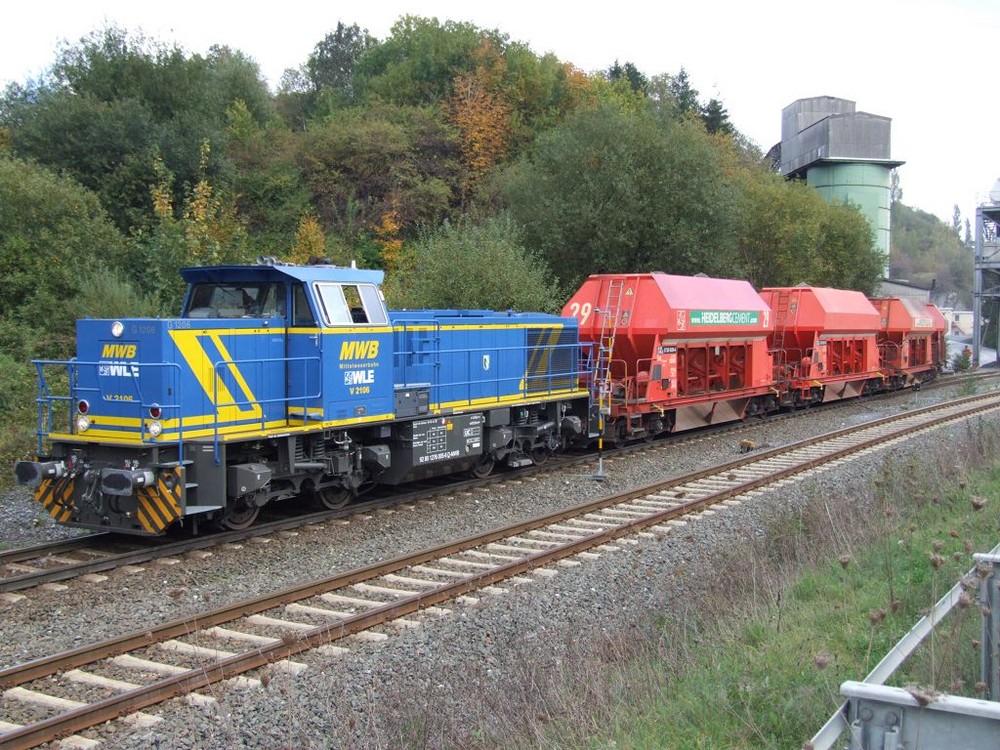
843, 153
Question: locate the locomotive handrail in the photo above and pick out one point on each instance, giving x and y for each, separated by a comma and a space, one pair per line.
286, 399
76, 392
571, 373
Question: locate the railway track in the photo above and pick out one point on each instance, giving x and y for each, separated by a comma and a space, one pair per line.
69, 692
90, 556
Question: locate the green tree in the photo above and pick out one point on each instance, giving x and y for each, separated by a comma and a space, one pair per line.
716, 118
267, 183
108, 147
846, 256
895, 191
629, 73
114, 103
613, 190
418, 62
926, 250
331, 65
366, 163
52, 231
684, 94
477, 266
789, 235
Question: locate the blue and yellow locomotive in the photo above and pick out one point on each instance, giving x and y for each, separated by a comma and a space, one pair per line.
281, 380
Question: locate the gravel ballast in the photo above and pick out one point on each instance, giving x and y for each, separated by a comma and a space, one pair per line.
445, 664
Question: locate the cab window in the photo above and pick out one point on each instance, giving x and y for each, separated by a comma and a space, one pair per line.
302, 315
351, 304
239, 300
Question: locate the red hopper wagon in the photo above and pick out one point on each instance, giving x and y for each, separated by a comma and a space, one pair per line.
674, 352
824, 344
911, 340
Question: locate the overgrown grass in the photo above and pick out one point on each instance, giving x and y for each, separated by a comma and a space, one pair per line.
820, 599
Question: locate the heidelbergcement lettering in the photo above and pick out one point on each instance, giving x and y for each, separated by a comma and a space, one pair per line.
725, 318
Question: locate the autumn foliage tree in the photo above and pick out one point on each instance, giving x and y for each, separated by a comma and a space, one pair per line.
310, 241
481, 114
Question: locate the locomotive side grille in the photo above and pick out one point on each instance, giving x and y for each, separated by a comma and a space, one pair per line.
551, 359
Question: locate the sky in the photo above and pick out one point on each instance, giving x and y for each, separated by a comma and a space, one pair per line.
926, 64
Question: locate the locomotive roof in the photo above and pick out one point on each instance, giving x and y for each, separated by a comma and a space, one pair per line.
280, 272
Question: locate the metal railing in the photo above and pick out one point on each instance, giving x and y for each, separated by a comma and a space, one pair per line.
876, 717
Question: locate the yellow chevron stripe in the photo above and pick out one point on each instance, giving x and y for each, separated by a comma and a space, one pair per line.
203, 368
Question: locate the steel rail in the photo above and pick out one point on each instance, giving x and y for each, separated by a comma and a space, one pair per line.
197, 678
156, 550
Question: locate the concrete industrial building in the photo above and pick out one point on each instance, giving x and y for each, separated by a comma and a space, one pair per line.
843, 153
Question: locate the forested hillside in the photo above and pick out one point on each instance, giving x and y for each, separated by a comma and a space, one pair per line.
443, 152
927, 251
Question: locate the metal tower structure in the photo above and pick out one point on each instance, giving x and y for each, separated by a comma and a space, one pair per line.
986, 276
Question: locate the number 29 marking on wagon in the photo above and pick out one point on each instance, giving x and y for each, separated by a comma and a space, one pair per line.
582, 312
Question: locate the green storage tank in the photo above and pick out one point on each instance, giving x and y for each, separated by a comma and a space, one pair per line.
863, 185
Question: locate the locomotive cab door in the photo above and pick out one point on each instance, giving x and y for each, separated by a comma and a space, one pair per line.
357, 352
304, 349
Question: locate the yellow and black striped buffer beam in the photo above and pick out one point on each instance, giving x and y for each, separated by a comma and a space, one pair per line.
56, 496
161, 504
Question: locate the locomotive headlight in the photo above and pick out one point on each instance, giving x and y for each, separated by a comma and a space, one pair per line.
82, 423
154, 427
117, 329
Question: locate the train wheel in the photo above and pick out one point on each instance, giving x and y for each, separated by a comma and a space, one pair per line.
240, 515
483, 466
540, 454
333, 498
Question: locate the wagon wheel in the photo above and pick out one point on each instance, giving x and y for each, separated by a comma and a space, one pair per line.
483, 466
333, 498
240, 515
540, 454
619, 434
